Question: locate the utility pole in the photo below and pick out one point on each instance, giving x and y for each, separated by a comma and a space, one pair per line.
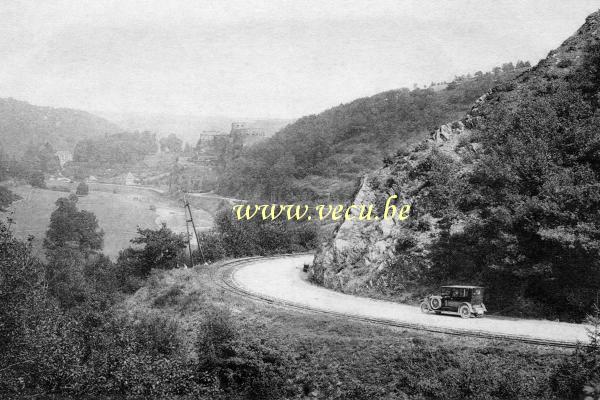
189, 218
187, 227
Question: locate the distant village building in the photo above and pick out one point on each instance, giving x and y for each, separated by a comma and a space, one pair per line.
130, 179
64, 157
209, 141
239, 130
213, 145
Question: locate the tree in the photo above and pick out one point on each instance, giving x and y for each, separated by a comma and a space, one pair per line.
4, 165
73, 228
536, 193
120, 148
36, 179
22, 297
161, 247
82, 189
171, 144
508, 67
41, 158
6, 198
48, 159
65, 276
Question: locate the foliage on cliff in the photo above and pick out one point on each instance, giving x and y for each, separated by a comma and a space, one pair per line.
511, 199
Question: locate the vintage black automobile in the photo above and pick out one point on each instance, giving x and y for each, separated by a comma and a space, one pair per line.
463, 300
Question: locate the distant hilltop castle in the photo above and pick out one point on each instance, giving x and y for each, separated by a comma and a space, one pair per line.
239, 132
210, 143
240, 129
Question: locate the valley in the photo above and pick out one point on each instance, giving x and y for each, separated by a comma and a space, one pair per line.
403, 213
120, 211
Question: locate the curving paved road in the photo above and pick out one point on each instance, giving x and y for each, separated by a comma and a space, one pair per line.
281, 279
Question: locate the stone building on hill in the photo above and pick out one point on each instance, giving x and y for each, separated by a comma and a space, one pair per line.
64, 157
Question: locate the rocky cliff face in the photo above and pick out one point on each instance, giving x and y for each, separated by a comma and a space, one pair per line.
362, 255
387, 257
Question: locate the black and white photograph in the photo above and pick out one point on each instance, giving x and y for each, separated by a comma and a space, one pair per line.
300, 199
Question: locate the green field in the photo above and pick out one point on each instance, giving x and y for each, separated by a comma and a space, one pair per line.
119, 211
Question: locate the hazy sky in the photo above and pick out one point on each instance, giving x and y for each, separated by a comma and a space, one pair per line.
260, 58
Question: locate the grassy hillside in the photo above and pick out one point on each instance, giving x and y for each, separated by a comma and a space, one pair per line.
270, 352
322, 156
22, 123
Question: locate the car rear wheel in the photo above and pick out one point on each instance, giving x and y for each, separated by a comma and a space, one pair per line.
424, 307
464, 311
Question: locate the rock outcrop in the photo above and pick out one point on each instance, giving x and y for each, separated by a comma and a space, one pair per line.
361, 253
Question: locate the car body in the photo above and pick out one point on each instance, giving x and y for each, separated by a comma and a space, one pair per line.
463, 300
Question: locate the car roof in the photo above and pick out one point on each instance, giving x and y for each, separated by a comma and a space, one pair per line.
462, 287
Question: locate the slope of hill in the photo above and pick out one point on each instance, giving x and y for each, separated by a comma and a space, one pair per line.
322, 156
22, 123
508, 197
187, 127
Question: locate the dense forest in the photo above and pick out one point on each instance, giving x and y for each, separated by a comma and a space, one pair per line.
36, 161
119, 148
325, 155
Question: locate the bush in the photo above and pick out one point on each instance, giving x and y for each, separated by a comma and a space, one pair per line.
212, 247
82, 189
216, 329
169, 297
581, 372
7, 197
161, 250
244, 365
239, 238
36, 179
564, 63
158, 335
254, 368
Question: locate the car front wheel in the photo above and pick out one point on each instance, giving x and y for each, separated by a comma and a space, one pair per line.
424, 308
464, 311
